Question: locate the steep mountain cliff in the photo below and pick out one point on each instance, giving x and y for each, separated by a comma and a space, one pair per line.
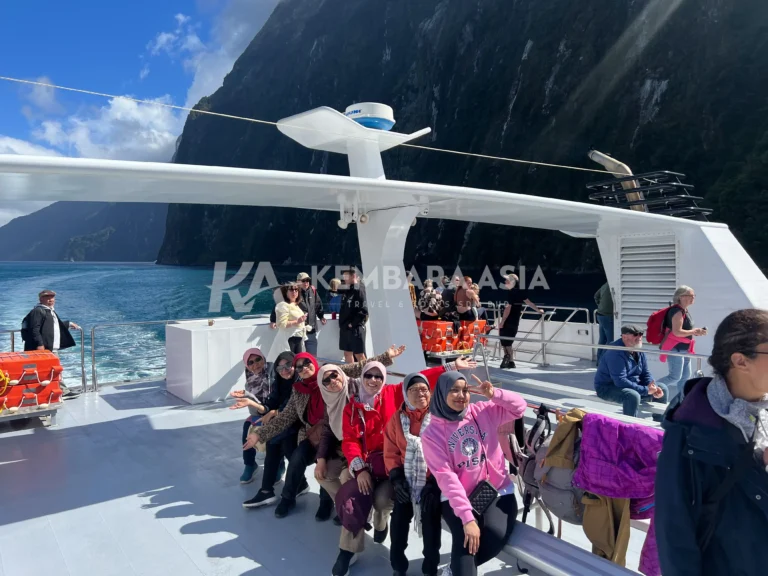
660, 84
86, 231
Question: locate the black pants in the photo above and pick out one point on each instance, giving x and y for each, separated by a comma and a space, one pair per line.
398, 534
296, 344
276, 451
495, 528
303, 456
249, 456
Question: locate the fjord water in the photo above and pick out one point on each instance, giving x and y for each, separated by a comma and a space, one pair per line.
94, 294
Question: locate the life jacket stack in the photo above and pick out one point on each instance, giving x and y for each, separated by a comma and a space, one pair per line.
438, 336
29, 380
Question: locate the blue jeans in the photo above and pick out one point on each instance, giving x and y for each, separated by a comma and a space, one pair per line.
606, 333
679, 373
628, 398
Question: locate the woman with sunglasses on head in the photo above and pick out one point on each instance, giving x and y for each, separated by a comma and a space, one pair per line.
462, 450
281, 446
712, 472
363, 422
306, 411
290, 321
257, 389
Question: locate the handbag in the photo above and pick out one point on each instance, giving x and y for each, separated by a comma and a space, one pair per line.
484, 493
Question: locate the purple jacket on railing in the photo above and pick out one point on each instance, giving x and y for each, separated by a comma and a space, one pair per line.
618, 460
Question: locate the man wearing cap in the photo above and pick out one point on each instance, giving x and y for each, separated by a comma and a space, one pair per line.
313, 307
623, 376
42, 329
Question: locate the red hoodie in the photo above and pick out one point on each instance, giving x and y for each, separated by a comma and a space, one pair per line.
387, 403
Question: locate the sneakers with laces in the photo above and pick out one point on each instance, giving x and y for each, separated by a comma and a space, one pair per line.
344, 560
249, 474
263, 498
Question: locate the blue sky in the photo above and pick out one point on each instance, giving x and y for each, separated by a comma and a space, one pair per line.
174, 51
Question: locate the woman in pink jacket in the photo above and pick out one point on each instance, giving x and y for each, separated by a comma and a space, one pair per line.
462, 451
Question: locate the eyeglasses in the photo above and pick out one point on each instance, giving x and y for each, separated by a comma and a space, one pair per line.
302, 365
331, 376
285, 368
419, 390
370, 376
255, 360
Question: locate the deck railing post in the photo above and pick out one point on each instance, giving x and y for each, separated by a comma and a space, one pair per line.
93, 360
543, 345
13, 342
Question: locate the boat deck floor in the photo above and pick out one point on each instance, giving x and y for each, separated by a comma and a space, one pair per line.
133, 481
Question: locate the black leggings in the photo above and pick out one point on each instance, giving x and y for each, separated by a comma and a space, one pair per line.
296, 344
495, 528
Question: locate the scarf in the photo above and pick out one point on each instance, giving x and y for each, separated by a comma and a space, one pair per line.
439, 405
741, 413
414, 465
315, 407
257, 384
366, 397
334, 401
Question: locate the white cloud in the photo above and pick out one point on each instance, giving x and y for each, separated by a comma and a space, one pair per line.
144, 72
41, 100
121, 129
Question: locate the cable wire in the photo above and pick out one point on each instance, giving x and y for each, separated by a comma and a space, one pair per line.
269, 123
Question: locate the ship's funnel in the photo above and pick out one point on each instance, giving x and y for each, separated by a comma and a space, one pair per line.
372, 115
613, 165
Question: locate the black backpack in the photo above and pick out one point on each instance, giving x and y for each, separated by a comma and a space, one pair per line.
25, 333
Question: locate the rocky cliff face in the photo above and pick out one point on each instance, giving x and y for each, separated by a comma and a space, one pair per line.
86, 231
660, 84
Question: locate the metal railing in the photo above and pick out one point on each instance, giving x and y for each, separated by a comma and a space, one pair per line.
150, 353
539, 326
65, 354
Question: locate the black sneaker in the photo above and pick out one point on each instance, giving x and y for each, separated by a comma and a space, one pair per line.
263, 498
68, 393
380, 535
343, 561
324, 510
511, 364
284, 508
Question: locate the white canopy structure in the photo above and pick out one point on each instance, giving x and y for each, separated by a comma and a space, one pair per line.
645, 255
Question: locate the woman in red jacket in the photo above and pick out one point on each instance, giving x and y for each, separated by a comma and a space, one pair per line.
365, 417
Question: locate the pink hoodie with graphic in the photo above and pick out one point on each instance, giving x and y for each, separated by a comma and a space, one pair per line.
454, 454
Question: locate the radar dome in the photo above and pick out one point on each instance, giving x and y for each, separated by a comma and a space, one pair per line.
372, 115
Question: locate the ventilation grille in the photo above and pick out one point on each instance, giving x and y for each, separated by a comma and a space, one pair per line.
648, 276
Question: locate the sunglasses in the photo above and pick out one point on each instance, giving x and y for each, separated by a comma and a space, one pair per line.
373, 377
293, 289
285, 368
255, 360
302, 365
330, 376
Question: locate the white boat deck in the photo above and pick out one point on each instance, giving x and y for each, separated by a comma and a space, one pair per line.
132, 481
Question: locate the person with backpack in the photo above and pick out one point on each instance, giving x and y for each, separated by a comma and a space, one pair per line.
678, 333
623, 376
712, 472
42, 329
462, 450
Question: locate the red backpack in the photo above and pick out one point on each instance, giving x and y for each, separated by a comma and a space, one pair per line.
656, 325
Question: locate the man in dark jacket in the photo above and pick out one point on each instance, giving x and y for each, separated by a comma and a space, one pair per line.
623, 376
352, 318
42, 329
312, 305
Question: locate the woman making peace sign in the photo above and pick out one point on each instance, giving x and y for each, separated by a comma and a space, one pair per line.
462, 450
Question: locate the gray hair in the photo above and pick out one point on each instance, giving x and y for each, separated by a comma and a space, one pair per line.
680, 292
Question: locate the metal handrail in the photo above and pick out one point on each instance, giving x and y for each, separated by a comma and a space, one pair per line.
83, 378
94, 376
